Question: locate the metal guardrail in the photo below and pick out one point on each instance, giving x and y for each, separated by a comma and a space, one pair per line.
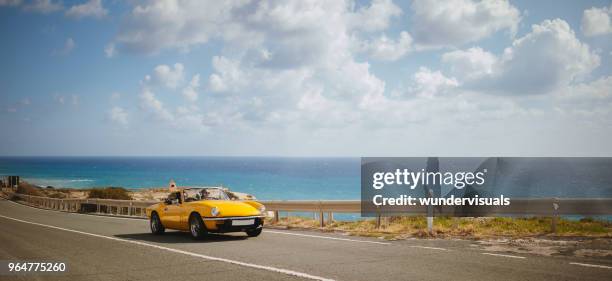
550, 207
99, 206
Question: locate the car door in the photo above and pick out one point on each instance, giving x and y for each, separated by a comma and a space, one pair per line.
171, 212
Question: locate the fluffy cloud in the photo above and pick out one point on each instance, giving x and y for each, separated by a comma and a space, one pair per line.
10, 2
118, 115
470, 64
375, 17
150, 103
456, 22
596, 21
427, 83
301, 31
156, 25
92, 8
289, 65
546, 59
169, 76
191, 91
43, 6
387, 49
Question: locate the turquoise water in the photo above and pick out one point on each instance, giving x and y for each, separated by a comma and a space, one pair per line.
265, 177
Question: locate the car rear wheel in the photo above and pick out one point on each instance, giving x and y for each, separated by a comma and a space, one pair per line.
156, 226
254, 232
197, 227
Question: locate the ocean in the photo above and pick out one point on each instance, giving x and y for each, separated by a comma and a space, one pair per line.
267, 178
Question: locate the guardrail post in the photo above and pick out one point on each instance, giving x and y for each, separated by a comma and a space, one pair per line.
321, 215
130, 209
378, 217
321, 219
330, 217
555, 217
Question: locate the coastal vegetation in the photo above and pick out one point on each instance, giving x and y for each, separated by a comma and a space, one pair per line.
119, 193
447, 227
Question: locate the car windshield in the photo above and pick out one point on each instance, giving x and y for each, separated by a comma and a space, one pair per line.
198, 194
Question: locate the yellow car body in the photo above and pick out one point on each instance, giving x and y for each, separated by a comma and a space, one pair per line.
202, 214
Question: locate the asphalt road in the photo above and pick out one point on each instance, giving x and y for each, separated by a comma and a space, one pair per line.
106, 248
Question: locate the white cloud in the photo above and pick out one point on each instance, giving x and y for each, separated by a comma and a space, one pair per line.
156, 25
191, 91
286, 66
597, 90
548, 57
469, 64
589, 99
43, 6
279, 54
168, 76
10, 2
227, 74
118, 115
427, 83
387, 49
150, 103
69, 45
375, 17
596, 21
456, 22
109, 50
91, 8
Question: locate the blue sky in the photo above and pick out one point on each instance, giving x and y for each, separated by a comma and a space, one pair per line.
306, 78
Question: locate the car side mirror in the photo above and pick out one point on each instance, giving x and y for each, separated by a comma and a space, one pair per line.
168, 201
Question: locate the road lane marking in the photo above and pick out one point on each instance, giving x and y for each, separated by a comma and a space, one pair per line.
591, 265
505, 256
326, 237
245, 264
427, 247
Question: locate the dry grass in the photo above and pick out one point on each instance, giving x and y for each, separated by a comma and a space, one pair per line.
471, 228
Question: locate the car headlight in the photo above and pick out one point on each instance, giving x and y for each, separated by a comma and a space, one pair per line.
262, 209
214, 211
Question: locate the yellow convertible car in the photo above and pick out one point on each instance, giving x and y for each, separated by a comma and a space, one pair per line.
206, 210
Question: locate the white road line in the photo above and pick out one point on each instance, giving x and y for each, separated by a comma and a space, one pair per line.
431, 248
326, 237
591, 265
505, 256
245, 264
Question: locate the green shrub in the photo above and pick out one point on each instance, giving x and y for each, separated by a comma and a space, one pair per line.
110, 193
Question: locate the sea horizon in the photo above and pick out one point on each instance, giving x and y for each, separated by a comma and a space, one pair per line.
266, 177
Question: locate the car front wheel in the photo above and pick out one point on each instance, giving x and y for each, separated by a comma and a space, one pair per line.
197, 227
254, 232
156, 226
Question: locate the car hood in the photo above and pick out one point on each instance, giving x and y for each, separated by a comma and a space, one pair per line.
228, 208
